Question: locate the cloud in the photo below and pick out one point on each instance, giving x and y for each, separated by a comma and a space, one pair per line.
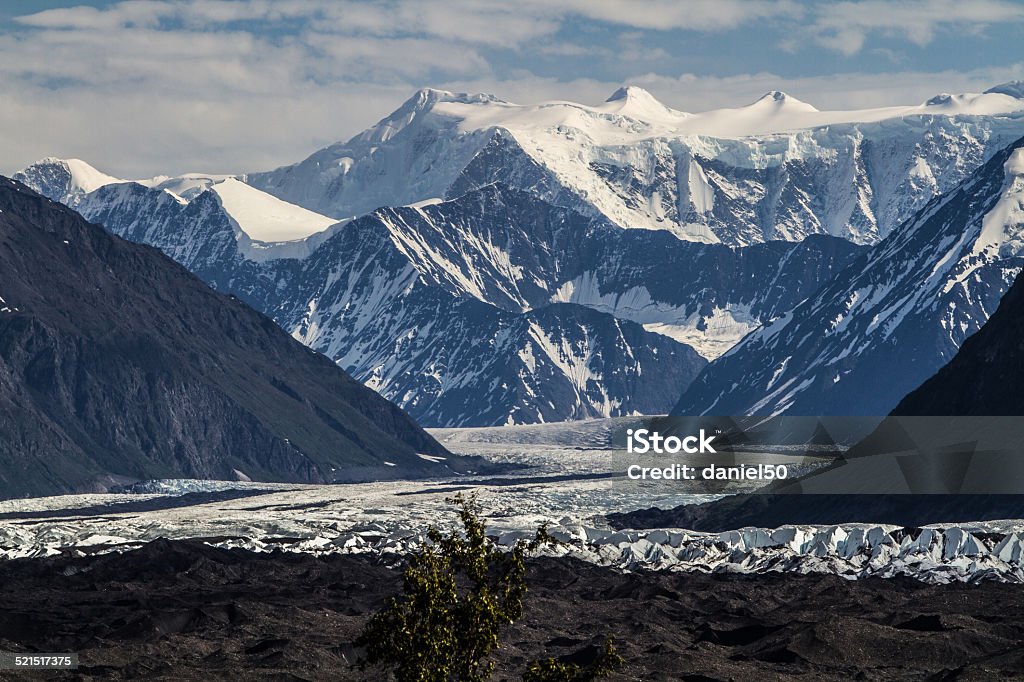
386, 59
88, 18
141, 88
700, 15
470, 21
845, 26
695, 93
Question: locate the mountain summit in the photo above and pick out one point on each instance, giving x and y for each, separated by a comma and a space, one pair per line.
778, 99
776, 168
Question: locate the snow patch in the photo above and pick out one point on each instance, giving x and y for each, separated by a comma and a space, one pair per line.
266, 218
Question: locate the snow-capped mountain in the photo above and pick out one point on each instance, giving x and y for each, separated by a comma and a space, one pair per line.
64, 180
896, 315
264, 225
984, 377
491, 307
476, 219
775, 169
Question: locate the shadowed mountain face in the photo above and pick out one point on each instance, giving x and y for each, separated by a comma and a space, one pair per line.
890, 319
491, 307
984, 377
116, 364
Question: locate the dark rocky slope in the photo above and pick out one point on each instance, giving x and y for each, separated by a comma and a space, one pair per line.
116, 364
984, 377
193, 612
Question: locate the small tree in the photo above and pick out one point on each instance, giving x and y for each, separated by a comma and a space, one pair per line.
459, 590
552, 670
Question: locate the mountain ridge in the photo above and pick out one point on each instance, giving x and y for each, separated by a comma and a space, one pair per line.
981, 379
120, 365
891, 319
761, 167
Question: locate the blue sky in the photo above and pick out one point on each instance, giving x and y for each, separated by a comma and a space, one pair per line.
141, 88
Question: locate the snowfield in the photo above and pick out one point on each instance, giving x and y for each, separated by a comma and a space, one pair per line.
566, 485
265, 218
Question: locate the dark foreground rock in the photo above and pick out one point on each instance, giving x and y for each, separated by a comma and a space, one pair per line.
187, 611
772, 511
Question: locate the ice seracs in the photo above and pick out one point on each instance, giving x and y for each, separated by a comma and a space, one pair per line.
939, 554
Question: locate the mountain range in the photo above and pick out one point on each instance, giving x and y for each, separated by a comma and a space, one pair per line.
479, 262
774, 169
891, 319
118, 365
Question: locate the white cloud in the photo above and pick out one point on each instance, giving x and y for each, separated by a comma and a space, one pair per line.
694, 93
141, 88
846, 26
471, 21
386, 59
91, 18
700, 15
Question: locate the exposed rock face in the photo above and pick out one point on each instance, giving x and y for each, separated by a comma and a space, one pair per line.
117, 365
199, 612
984, 377
891, 319
495, 306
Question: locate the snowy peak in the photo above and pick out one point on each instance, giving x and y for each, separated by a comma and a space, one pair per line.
628, 92
187, 186
776, 99
421, 103
635, 102
64, 180
1000, 100
83, 177
1013, 89
427, 97
259, 216
750, 173
265, 218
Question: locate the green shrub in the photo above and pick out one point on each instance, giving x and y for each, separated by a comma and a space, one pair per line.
552, 670
459, 590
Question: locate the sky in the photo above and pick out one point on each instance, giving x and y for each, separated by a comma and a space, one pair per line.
141, 88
